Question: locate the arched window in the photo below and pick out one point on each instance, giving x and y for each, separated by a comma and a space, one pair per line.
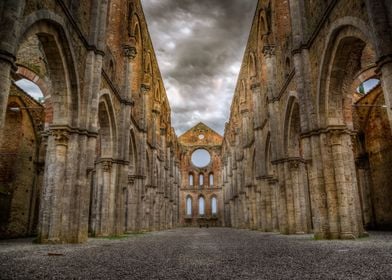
201, 206
201, 179
157, 95
214, 206
191, 180
211, 180
367, 86
243, 96
189, 206
263, 25
136, 32
252, 65
31, 88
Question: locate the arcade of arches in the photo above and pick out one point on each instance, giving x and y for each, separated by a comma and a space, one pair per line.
307, 148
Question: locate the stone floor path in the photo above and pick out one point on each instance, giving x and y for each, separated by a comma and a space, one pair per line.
193, 253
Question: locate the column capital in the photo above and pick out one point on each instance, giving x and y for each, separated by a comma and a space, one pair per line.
335, 136
269, 50
255, 86
293, 165
129, 52
131, 179
60, 135
106, 165
145, 88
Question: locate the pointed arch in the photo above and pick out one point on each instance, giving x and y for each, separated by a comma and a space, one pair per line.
107, 134
157, 92
201, 179
211, 179
292, 128
136, 30
263, 28
269, 167
133, 153
347, 35
189, 205
191, 179
243, 93
202, 206
148, 63
214, 205
252, 71
52, 34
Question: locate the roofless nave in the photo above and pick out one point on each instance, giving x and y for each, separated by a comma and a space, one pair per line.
307, 147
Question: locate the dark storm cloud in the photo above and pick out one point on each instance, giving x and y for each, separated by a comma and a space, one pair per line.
199, 46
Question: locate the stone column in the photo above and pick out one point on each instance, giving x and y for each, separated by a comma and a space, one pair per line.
318, 168
268, 207
231, 212
132, 205
274, 204
346, 184
300, 202
258, 203
364, 185
253, 197
263, 206
109, 197
289, 198
283, 216
51, 210
11, 13
380, 21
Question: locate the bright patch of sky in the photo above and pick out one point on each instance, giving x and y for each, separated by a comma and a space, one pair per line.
30, 88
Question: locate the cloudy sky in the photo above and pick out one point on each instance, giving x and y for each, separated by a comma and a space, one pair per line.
199, 45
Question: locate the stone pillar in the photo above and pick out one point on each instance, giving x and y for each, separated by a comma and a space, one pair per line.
299, 199
385, 67
10, 20
108, 198
268, 207
283, 216
231, 212
133, 205
346, 185
290, 199
51, 211
253, 201
317, 167
380, 21
274, 204
364, 185
263, 206
258, 199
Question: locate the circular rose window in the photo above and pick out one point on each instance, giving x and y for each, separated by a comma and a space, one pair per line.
200, 158
201, 136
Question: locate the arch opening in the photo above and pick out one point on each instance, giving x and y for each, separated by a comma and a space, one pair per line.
201, 206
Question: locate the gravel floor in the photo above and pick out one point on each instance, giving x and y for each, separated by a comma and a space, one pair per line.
192, 253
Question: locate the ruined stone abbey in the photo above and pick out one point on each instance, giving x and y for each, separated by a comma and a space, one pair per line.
307, 147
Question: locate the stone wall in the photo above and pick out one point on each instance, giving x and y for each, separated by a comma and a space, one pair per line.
109, 155
290, 146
